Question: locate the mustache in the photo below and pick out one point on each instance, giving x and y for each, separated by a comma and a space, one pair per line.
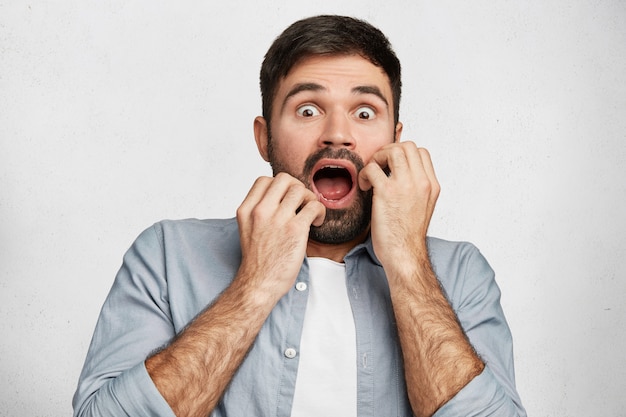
330, 153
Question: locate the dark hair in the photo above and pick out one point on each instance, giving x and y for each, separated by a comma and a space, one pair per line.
327, 35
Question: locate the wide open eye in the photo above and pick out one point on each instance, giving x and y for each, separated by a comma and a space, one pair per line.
365, 113
308, 110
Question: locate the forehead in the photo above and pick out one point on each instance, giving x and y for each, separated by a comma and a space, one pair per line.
335, 73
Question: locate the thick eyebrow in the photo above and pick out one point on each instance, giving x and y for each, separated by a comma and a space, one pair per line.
370, 89
361, 89
298, 88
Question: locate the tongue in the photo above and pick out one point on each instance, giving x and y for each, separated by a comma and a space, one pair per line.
333, 188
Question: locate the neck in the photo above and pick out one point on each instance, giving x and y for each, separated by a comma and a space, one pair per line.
334, 252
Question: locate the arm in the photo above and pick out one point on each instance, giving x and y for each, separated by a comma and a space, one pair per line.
472, 291
200, 360
194, 370
113, 381
439, 360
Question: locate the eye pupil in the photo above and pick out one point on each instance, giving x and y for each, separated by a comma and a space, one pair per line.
307, 112
364, 115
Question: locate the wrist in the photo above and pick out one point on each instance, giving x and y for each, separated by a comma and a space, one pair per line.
408, 266
260, 290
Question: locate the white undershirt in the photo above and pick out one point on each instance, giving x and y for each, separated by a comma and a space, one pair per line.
326, 382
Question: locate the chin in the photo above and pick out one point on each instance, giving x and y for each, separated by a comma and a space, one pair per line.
342, 226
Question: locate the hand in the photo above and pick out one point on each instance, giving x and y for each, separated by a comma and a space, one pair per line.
274, 222
403, 202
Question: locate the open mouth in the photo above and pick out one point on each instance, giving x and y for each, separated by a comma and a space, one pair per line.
334, 181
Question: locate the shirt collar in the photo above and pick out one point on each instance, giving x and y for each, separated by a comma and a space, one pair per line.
366, 247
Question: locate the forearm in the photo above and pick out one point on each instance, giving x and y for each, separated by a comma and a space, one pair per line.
274, 221
439, 360
194, 370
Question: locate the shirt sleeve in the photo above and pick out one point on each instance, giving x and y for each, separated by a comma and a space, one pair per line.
476, 299
135, 320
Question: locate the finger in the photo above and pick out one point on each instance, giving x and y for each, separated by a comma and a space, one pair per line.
389, 160
255, 194
429, 169
266, 195
372, 175
421, 164
392, 158
295, 197
279, 188
313, 213
413, 155
427, 163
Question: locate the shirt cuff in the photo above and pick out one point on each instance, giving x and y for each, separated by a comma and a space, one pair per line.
140, 395
483, 395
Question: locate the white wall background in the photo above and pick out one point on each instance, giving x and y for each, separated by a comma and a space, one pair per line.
115, 114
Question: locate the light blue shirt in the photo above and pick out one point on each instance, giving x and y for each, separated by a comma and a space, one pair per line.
176, 268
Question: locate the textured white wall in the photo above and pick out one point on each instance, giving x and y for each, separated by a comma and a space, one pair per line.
117, 114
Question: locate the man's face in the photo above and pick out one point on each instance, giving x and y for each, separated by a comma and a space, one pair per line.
330, 115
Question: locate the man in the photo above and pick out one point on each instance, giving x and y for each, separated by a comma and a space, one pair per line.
324, 297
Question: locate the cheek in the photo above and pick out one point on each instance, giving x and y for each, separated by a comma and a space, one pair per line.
367, 150
293, 146
371, 139
289, 156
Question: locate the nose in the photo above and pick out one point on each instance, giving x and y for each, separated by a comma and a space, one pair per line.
337, 132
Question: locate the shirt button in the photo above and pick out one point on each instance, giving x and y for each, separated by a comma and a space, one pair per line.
301, 286
290, 353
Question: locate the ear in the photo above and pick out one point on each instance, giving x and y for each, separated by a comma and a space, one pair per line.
396, 138
261, 137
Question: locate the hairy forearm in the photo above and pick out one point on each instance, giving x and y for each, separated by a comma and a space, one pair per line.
439, 360
194, 370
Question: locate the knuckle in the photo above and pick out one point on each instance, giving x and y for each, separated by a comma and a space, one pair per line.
396, 151
293, 192
424, 152
292, 228
436, 189
295, 188
314, 207
258, 213
425, 186
283, 177
262, 180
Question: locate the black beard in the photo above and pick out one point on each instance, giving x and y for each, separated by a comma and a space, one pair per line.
340, 225
344, 225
